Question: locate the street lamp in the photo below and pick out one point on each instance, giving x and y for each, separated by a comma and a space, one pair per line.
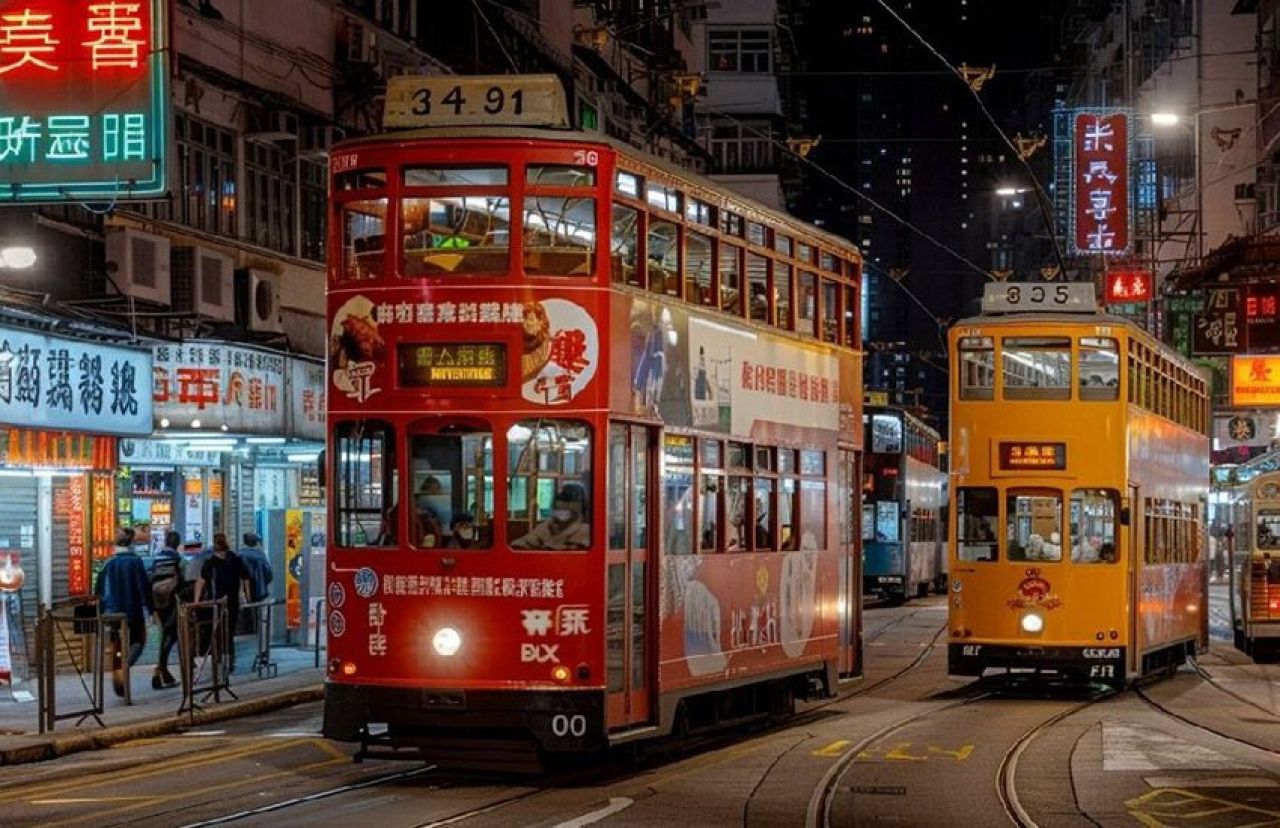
17, 257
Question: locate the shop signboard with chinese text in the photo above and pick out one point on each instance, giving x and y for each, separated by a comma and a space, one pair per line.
84, 100
217, 384
165, 453
306, 399
1255, 381
1262, 317
1129, 285
1101, 217
48, 382
1220, 328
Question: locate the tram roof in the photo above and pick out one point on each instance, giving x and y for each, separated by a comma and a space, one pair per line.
532, 134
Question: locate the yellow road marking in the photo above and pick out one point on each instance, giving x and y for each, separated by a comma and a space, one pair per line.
902, 753
834, 749
961, 754
1180, 806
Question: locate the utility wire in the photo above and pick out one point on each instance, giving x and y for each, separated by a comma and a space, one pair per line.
515, 69
1042, 198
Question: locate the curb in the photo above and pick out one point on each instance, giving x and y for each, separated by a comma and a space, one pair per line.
52, 747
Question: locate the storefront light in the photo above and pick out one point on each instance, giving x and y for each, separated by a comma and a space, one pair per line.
164, 422
195, 423
309, 457
266, 441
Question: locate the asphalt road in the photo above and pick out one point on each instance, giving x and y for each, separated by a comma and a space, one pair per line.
906, 745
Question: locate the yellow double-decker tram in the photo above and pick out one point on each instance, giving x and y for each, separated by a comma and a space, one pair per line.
1080, 465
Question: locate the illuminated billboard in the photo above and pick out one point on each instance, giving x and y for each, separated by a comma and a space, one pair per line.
84, 100
1255, 381
1100, 202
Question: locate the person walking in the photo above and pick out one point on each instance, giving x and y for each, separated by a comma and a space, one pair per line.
167, 587
258, 567
224, 576
123, 587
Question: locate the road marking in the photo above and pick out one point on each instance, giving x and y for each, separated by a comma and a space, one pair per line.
616, 804
901, 752
1126, 748
1214, 781
85, 799
834, 749
1180, 806
199, 733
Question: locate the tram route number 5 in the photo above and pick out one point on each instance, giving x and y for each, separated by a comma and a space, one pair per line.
488, 100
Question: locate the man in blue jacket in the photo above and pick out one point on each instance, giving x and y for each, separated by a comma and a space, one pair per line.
123, 587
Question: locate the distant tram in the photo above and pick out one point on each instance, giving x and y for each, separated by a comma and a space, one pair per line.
1255, 562
1080, 463
593, 449
904, 503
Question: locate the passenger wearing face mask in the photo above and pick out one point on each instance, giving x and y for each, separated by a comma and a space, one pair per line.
567, 527
462, 532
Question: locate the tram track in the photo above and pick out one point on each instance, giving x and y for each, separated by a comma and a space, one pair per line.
1173, 714
1216, 685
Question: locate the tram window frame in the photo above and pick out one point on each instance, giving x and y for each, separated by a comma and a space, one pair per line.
429, 529
757, 280
679, 470
829, 318
849, 316
364, 178
976, 367
387, 514
554, 257
490, 257
711, 482
976, 538
1078, 537
665, 198
1013, 526
577, 176
731, 291
1098, 385
618, 262
663, 274
452, 175
1020, 349
700, 284
783, 297
352, 268
1257, 539
806, 303
629, 184
525, 460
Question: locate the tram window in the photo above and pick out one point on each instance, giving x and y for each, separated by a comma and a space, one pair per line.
782, 244
830, 310
868, 521
465, 176
1099, 368
628, 184
1037, 368
677, 509
711, 454
1093, 525
360, 180
1033, 525
850, 317
977, 368
366, 485
457, 235
813, 514
697, 269
364, 228
804, 252
618, 505
700, 212
813, 461
977, 516
664, 198
709, 507
764, 459
758, 287
730, 279
1268, 529
738, 514
787, 461
782, 295
559, 175
756, 233
625, 245
549, 485
664, 257
451, 481
764, 502
559, 235
788, 514
739, 456
807, 305
730, 223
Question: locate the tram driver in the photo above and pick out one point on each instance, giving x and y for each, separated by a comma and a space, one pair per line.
567, 528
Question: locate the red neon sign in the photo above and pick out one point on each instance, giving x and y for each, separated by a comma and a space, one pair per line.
41, 37
1100, 176
1130, 285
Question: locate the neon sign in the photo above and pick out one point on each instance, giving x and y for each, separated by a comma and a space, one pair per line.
84, 100
1100, 182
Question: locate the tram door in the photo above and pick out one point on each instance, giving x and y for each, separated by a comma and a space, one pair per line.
849, 565
630, 595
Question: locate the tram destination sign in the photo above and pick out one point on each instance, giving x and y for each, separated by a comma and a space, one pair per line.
476, 100
452, 363
1033, 456
1039, 297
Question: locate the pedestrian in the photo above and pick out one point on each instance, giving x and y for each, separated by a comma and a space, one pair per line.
168, 587
123, 588
224, 576
258, 567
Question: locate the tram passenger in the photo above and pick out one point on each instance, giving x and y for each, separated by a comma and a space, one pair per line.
1088, 550
1107, 553
567, 528
462, 532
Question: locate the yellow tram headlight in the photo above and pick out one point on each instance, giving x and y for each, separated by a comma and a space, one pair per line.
1032, 623
447, 641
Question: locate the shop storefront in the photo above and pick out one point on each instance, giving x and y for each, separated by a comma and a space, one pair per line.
63, 404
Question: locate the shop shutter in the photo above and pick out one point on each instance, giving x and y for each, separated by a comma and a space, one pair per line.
19, 506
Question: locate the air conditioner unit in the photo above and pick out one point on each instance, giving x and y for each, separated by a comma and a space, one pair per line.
362, 44
203, 283
258, 301
138, 264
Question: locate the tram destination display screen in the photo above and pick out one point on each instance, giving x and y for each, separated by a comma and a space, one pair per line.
1031, 456
423, 364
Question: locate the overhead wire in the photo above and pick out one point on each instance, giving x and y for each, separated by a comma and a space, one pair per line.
515, 68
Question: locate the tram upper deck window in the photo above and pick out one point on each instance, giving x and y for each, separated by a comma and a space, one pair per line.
559, 175
366, 509
364, 238
625, 244
1268, 529
977, 368
977, 516
549, 485
628, 184
1099, 368
1036, 368
559, 235
451, 486
455, 235
663, 198
1033, 524
455, 176
1093, 525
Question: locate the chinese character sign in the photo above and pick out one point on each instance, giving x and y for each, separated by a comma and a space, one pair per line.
1262, 316
242, 388
1255, 381
1100, 180
84, 99
65, 384
307, 399
1131, 285
1220, 327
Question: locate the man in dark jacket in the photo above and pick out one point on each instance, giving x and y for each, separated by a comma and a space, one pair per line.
123, 587
167, 587
224, 576
259, 568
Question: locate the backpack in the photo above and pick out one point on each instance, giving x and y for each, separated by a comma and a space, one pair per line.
165, 580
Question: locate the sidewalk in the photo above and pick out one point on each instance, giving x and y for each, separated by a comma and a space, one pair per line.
153, 712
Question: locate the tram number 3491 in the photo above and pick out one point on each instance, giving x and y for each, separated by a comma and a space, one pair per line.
564, 725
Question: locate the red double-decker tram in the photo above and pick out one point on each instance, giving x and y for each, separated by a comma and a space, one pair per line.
594, 431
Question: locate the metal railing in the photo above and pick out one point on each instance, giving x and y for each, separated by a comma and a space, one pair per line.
263, 665
71, 622
203, 635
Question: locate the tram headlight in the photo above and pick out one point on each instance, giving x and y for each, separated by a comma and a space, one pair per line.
1033, 623
447, 641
